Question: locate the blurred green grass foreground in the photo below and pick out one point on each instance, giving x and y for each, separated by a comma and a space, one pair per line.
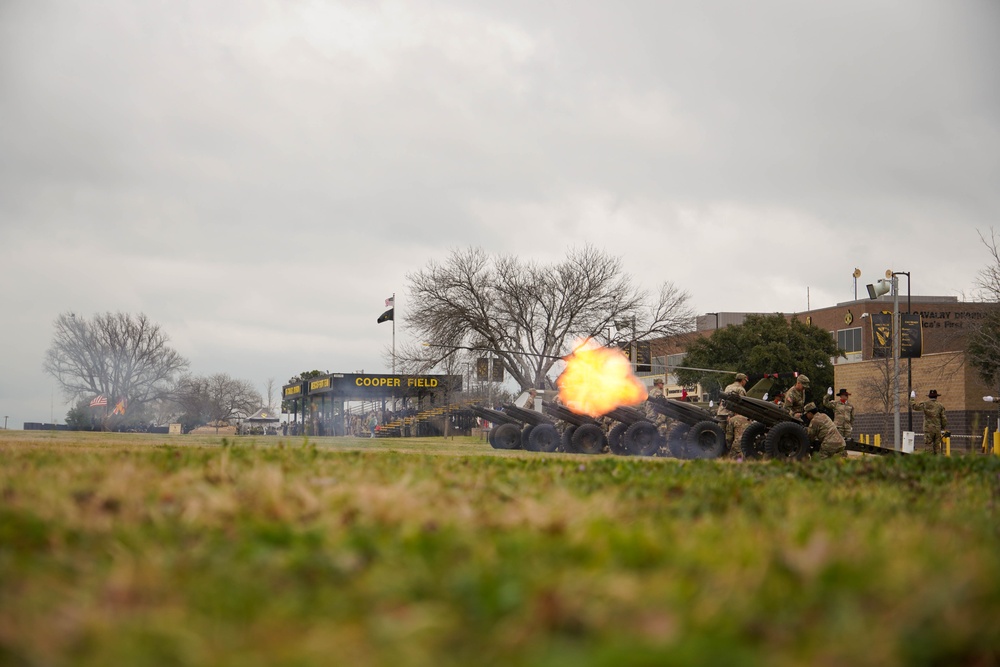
180, 550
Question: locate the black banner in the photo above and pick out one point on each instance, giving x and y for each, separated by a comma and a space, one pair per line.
482, 369
497, 370
643, 358
910, 340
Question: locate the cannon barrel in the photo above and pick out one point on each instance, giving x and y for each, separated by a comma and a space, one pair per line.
526, 416
494, 416
758, 410
563, 413
626, 415
682, 411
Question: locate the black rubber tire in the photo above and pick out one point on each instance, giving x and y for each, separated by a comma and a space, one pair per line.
544, 438
706, 440
642, 439
752, 442
526, 435
616, 439
566, 441
787, 440
677, 441
490, 434
507, 436
588, 439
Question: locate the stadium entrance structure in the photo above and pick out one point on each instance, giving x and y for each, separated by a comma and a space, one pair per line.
326, 405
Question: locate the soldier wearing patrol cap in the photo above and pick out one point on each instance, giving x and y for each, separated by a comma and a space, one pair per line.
735, 424
795, 398
822, 428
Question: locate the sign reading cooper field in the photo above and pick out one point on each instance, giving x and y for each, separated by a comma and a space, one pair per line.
362, 385
910, 340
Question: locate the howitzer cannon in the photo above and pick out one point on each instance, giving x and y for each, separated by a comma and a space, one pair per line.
697, 435
582, 435
506, 430
779, 434
539, 433
773, 431
634, 434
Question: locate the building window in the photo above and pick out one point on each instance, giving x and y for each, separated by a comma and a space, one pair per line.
849, 340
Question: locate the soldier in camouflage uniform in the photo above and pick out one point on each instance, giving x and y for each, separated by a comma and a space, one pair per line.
530, 403
843, 412
934, 420
662, 423
822, 428
735, 424
795, 398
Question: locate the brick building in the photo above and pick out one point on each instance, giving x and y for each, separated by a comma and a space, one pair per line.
944, 326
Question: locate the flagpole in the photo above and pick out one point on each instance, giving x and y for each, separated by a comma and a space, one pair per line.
393, 333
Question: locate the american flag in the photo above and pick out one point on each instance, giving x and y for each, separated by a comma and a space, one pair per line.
99, 401
391, 301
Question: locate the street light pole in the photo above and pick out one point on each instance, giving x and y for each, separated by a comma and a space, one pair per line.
909, 360
896, 443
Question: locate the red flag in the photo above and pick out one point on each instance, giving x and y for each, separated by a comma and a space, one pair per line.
99, 401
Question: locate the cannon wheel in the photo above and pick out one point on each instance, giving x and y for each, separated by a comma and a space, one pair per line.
677, 441
526, 435
507, 436
489, 435
642, 439
752, 442
567, 438
706, 440
544, 438
787, 440
616, 442
588, 439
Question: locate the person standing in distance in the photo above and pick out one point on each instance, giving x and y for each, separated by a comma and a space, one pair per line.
822, 428
795, 398
735, 424
935, 420
843, 411
657, 418
530, 403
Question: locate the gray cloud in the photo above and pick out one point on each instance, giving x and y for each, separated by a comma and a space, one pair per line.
258, 176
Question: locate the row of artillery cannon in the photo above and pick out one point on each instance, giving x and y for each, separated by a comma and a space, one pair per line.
693, 432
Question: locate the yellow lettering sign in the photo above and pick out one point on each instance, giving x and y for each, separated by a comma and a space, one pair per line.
319, 384
291, 391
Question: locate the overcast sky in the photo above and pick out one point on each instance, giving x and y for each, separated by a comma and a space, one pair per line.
258, 176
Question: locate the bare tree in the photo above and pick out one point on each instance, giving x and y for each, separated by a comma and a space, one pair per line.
988, 279
270, 387
217, 399
117, 355
983, 347
529, 315
875, 387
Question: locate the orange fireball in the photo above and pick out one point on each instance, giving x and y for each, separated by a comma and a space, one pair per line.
597, 380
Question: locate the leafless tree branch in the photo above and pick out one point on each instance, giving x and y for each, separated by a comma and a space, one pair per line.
117, 355
528, 314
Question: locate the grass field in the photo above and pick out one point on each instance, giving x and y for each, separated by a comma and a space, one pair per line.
180, 550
